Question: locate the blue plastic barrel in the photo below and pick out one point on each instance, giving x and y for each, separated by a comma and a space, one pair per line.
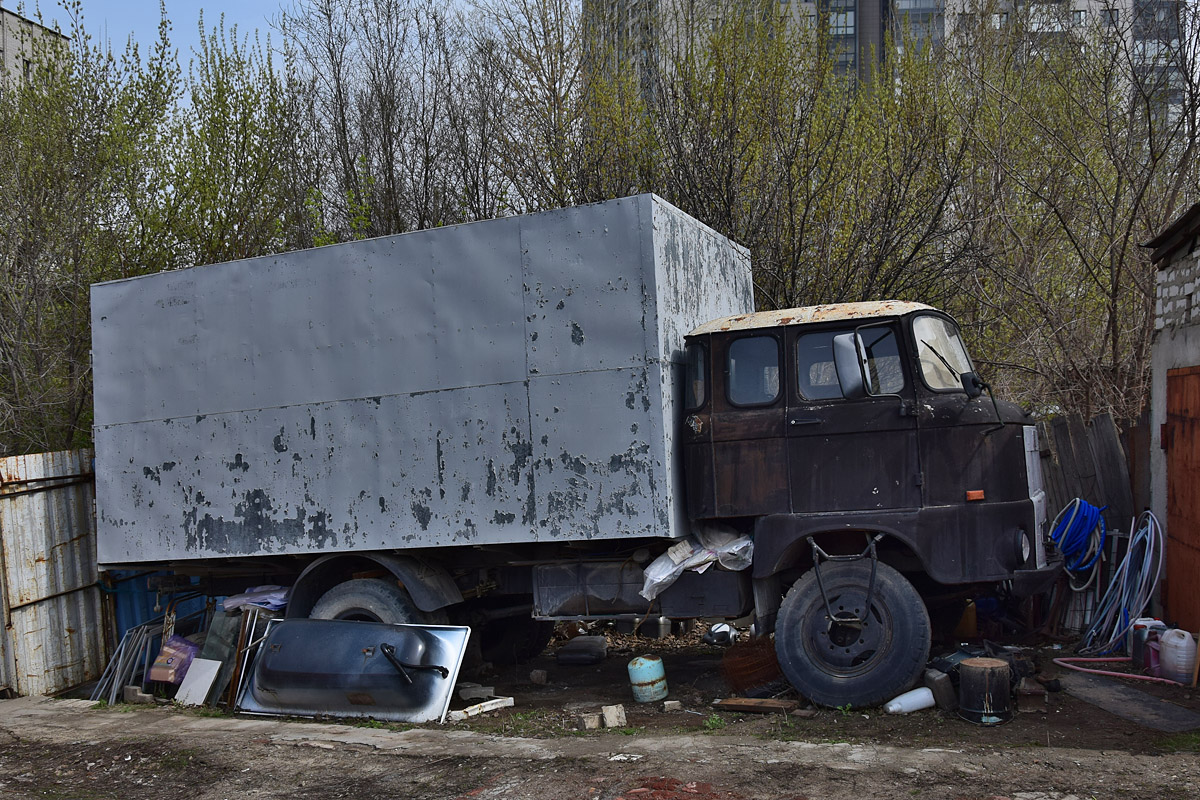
648, 679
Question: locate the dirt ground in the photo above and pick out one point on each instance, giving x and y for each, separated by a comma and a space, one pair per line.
1055, 747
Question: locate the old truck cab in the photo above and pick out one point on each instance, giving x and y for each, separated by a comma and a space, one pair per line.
855, 443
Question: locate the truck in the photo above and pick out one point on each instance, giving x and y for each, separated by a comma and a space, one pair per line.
508, 423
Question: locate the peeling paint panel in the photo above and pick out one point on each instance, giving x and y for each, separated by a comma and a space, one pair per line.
395, 315
54, 638
394, 472
592, 485
584, 270
698, 275
507, 381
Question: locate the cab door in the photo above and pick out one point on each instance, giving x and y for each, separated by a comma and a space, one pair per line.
749, 407
851, 454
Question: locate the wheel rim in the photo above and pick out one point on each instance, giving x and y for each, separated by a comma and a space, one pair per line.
838, 646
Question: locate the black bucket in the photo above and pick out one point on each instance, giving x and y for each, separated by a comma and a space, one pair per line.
984, 691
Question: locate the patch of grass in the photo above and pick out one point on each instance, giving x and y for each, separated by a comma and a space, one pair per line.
369, 723
714, 722
207, 711
179, 759
1181, 743
627, 731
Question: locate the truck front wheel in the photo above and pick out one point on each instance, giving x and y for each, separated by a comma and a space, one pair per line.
371, 600
839, 661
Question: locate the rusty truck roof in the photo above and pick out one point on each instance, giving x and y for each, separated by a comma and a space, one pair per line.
830, 312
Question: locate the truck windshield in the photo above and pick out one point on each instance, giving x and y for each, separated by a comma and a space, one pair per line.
943, 356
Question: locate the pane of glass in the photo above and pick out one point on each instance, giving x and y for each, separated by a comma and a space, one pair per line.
694, 382
943, 356
816, 376
884, 372
754, 371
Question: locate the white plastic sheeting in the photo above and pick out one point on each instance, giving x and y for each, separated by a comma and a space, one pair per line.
53, 632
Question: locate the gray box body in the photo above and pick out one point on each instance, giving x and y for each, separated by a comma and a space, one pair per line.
514, 380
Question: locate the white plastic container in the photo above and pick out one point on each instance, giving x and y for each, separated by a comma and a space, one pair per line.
914, 700
1177, 655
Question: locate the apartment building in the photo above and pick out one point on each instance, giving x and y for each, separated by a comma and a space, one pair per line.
19, 39
857, 30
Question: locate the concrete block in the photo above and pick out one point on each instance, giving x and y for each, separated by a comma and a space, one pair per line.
135, 695
614, 716
587, 722
672, 705
474, 691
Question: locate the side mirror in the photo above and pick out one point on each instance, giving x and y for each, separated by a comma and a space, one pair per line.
848, 364
973, 384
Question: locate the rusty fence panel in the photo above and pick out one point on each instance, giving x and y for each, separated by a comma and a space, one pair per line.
53, 638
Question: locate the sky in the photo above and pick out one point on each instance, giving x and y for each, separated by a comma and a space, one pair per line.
115, 20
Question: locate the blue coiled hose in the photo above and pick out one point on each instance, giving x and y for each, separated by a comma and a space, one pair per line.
1079, 533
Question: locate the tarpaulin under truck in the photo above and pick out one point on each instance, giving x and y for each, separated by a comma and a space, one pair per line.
509, 422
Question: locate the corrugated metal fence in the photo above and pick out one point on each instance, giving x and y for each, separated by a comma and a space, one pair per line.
53, 637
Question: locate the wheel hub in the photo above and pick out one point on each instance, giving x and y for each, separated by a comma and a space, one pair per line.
850, 641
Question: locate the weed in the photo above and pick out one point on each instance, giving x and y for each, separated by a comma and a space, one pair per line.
1181, 743
846, 709
177, 760
370, 723
208, 711
714, 722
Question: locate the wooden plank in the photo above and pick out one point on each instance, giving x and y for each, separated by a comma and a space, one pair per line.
1112, 471
480, 708
1085, 461
1052, 475
1065, 451
756, 705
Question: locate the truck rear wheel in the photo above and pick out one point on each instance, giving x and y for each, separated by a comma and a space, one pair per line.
370, 600
835, 663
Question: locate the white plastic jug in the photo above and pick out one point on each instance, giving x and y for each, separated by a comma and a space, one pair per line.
1177, 655
913, 701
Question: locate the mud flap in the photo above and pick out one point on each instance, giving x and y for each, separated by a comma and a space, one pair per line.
345, 668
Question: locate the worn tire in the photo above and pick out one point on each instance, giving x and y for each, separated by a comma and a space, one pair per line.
369, 599
514, 639
834, 665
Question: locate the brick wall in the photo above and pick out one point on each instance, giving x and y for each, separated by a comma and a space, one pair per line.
1178, 295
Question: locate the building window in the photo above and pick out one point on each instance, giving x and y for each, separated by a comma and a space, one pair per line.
1112, 16
842, 23
1078, 17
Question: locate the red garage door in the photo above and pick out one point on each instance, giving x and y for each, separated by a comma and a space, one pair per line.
1181, 440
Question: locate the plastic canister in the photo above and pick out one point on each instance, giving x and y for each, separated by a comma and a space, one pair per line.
648, 679
1177, 655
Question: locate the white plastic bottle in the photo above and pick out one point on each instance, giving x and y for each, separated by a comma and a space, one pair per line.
914, 700
1177, 655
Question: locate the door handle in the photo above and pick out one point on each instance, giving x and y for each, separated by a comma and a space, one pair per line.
805, 421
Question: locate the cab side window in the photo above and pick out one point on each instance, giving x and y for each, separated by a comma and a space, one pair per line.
816, 375
695, 392
753, 371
